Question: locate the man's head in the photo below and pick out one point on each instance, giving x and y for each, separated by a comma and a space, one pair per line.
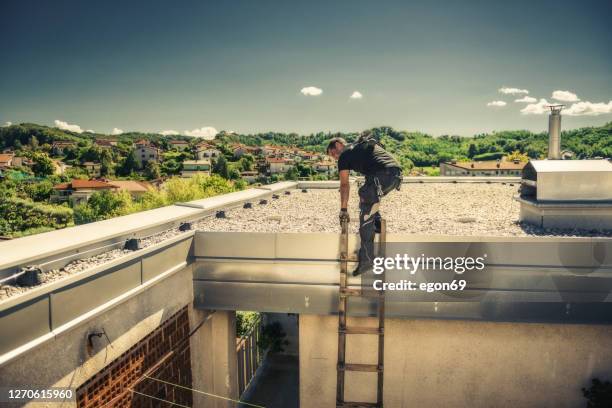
335, 147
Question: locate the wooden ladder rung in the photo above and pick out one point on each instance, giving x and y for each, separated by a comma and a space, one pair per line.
356, 404
373, 368
361, 293
362, 330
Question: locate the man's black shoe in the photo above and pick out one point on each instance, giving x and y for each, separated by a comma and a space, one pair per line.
362, 269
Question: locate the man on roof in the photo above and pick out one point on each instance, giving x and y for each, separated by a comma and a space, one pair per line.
382, 174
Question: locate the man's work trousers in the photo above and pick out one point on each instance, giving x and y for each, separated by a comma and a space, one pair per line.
375, 187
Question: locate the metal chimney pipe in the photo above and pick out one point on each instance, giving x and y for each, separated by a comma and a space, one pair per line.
554, 132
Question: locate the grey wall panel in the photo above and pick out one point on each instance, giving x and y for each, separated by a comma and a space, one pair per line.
235, 245
23, 323
323, 299
166, 258
267, 271
79, 298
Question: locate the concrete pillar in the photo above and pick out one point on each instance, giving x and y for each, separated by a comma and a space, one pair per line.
213, 359
432, 363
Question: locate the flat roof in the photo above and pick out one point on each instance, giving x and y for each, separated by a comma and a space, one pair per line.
462, 209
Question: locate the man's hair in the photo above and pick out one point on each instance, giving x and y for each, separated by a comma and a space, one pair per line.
332, 143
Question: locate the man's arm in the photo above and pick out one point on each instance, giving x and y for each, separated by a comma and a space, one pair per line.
344, 188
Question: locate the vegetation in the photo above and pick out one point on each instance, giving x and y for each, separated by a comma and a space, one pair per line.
106, 204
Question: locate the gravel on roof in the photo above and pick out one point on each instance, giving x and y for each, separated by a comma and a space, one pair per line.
425, 209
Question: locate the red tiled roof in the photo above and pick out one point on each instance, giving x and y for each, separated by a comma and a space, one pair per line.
5, 158
131, 185
77, 183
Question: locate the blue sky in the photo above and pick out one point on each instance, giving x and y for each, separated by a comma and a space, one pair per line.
432, 66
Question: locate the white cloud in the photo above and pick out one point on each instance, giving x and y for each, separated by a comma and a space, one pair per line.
7, 124
539, 108
526, 99
116, 131
356, 95
206, 132
565, 96
169, 132
512, 91
497, 103
311, 91
67, 126
588, 109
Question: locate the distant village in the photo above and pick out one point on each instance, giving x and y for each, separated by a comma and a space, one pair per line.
269, 162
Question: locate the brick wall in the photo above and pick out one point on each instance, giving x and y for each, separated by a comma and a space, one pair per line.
163, 354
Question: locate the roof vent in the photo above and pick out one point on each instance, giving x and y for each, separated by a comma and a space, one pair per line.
554, 132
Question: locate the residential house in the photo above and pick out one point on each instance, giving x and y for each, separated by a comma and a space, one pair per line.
6, 160
239, 149
249, 176
278, 165
58, 148
144, 152
105, 143
193, 167
482, 168
325, 166
79, 191
21, 161
179, 144
207, 151
134, 187
93, 169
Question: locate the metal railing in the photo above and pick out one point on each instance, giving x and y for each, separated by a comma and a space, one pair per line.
249, 354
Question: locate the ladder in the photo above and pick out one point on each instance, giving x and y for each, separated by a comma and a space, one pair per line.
343, 330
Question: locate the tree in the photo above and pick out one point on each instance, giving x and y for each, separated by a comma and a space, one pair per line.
128, 165
152, 170
472, 151
516, 155
33, 142
171, 167
292, 174
43, 165
220, 167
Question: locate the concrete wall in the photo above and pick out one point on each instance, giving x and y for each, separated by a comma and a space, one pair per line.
434, 363
213, 359
63, 360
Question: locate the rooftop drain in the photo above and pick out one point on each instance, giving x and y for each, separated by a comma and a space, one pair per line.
185, 226
247, 205
263, 202
304, 190
287, 192
220, 214
31, 276
275, 196
133, 244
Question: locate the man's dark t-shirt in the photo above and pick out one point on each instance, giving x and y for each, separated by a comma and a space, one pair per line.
365, 159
